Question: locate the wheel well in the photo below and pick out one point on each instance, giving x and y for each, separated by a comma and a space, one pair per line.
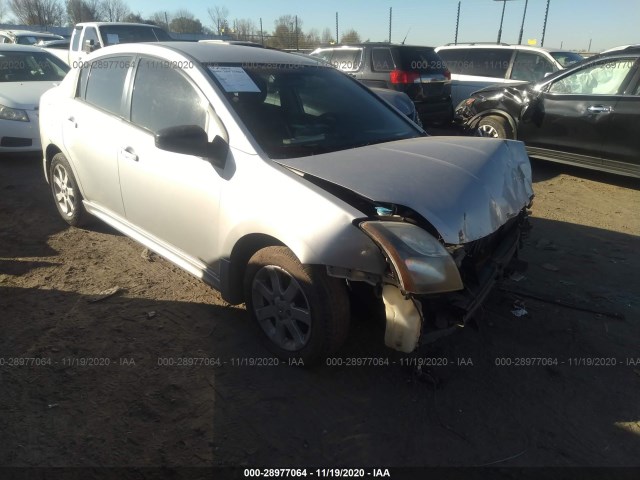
233, 272
51, 152
498, 113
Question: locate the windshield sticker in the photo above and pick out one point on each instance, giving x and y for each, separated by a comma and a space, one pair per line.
113, 38
234, 79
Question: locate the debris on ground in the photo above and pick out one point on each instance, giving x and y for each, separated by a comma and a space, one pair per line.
102, 295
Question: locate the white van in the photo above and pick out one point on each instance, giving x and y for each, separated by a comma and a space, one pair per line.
475, 65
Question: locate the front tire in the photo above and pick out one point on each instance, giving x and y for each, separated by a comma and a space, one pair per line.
494, 126
301, 311
66, 193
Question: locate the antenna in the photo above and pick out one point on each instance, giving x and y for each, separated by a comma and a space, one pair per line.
405, 37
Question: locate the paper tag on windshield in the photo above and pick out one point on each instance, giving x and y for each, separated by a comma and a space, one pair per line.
234, 79
113, 38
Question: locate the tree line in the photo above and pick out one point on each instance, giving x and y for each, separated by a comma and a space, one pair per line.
287, 31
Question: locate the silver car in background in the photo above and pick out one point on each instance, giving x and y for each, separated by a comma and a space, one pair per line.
286, 185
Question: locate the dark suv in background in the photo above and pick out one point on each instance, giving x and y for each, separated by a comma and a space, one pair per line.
417, 71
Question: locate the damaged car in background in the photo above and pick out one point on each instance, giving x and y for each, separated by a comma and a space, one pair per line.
286, 185
587, 115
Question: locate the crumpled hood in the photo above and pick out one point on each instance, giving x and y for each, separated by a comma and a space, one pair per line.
465, 187
24, 95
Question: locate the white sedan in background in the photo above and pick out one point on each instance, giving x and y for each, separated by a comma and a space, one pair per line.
26, 72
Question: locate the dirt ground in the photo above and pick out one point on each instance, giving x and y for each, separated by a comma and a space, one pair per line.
107, 396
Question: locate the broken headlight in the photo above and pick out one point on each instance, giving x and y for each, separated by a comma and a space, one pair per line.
421, 264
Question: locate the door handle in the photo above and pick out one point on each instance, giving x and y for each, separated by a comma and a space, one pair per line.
600, 109
129, 154
73, 120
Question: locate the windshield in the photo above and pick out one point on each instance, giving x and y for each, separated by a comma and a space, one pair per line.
566, 58
31, 67
115, 34
298, 110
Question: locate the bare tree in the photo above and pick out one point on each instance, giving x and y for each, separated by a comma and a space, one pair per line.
162, 19
288, 32
311, 39
327, 36
218, 17
245, 29
185, 22
114, 10
37, 12
84, 11
350, 36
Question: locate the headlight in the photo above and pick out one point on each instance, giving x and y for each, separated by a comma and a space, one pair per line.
7, 113
420, 262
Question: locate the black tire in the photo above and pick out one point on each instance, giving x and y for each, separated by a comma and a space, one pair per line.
496, 127
301, 312
66, 193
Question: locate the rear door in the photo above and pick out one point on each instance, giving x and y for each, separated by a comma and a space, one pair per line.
575, 111
93, 123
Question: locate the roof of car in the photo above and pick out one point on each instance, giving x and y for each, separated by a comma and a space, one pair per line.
16, 47
100, 24
216, 53
505, 46
372, 44
30, 33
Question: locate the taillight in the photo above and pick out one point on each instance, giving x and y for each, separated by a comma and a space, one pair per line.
401, 76
447, 74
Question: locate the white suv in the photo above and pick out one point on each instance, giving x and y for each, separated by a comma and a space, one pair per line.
475, 65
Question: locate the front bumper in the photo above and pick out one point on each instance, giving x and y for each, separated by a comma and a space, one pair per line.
20, 136
481, 263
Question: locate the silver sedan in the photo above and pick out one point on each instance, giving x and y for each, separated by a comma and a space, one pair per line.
286, 185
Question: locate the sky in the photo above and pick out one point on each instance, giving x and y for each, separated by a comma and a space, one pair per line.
572, 24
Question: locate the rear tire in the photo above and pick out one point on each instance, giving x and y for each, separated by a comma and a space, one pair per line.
494, 126
66, 193
302, 313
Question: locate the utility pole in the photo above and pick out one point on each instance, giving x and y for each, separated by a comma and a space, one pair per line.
337, 37
544, 26
504, 4
297, 33
522, 26
261, 33
390, 17
455, 41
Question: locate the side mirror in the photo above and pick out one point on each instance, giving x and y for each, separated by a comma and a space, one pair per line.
90, 46
192, 140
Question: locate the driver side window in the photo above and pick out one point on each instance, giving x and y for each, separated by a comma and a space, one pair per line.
602, 78
163, 97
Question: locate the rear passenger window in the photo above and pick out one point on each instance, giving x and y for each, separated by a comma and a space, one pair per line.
106, 83
347, 60
455, 60
481, 62
163, 97
487, 62
530, 67
382, 60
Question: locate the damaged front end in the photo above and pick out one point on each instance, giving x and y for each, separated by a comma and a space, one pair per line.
432, 290
447, 214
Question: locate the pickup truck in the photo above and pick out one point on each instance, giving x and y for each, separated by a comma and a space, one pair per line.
90, 36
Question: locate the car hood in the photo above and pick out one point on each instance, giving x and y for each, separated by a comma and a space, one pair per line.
465, 187
24, 95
